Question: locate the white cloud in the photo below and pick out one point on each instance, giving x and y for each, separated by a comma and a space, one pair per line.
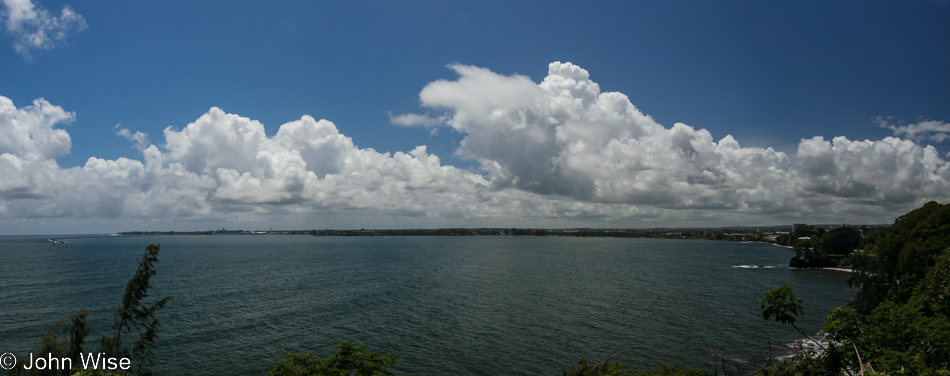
888, 171
564, 137
223, 166
29, 132
34, 28
139, 139
933, 130
415, 120
559, 153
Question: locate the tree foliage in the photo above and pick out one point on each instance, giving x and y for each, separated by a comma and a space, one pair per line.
782, 305
891, 268
609, 368
914, 335
820, 248
841, 241
842, 325
900, 323
64, 339
351, 359
135, 316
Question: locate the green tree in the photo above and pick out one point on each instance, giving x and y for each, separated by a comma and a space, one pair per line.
836, 358
842, 330
802, 230
77, 329
782, 305
136, 317
891, 267
842, 325
350, 360
914, 336
841, 241
63, 340
609, 368
672, 370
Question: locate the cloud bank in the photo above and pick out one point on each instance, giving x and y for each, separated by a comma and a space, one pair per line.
565, 137
34, 28
557, 154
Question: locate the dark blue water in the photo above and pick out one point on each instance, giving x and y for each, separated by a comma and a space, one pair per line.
448, 305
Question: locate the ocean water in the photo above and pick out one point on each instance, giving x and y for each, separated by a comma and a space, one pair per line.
447, 305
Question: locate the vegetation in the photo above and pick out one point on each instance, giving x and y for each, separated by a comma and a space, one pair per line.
135, 316
67, 339
622, 369
894, 265
64, 340
782, 305
350, 360
818, 247
899, 322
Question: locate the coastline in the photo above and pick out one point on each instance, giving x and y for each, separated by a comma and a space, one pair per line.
834, 269
831, 268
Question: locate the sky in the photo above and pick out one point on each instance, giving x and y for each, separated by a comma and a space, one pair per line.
123, 116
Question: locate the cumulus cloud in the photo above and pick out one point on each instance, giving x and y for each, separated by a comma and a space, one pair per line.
34, 28
933, 130
889, 171
29, 132
415, 120
222, 166
565, 137
556, 153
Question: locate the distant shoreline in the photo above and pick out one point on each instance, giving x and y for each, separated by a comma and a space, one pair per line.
753, 235
834, 269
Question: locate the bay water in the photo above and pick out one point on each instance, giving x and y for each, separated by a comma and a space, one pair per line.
447, 305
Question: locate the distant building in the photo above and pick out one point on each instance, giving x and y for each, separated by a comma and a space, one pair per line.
224, 231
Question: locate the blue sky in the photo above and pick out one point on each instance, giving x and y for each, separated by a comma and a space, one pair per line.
770, 74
